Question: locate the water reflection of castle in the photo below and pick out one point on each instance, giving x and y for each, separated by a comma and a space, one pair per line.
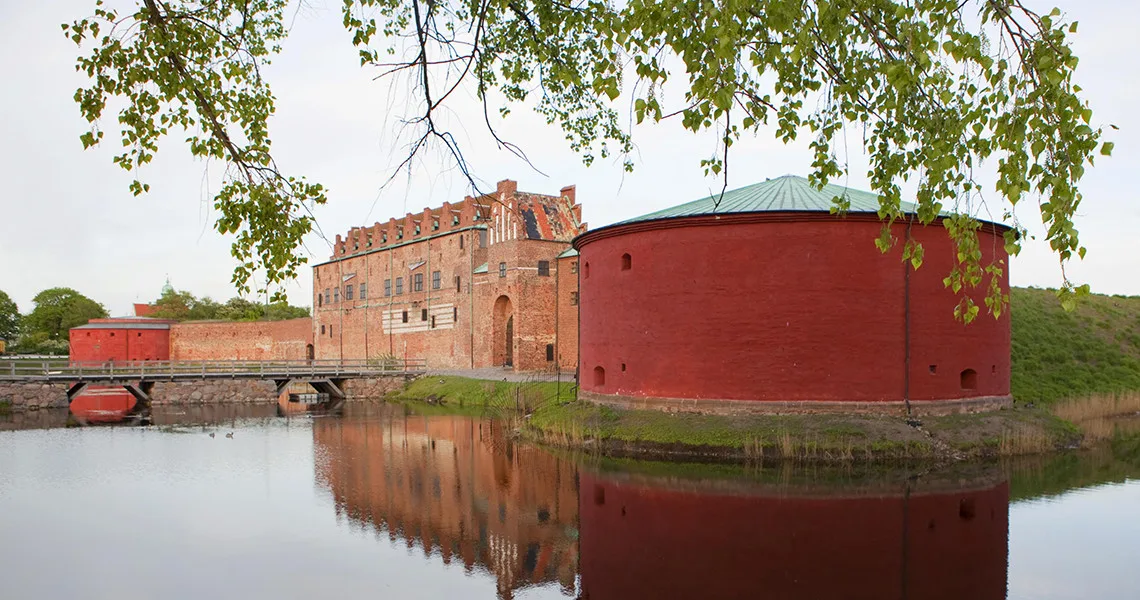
458, 486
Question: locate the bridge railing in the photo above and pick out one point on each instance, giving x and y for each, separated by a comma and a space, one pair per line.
23, 369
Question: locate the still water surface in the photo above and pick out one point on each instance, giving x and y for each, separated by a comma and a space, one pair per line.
380, 503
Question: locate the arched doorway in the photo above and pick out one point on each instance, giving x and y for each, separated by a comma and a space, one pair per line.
503, 342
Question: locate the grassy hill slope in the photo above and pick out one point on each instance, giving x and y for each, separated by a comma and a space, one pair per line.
1058, 355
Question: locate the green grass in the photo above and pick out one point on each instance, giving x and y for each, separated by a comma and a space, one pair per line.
477, 394
1057, 354
5, 407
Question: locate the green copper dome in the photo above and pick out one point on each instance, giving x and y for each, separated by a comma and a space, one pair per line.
781, 194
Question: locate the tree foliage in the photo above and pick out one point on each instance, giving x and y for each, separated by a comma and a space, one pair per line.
9, 318
941, 93
56, 311
184, 306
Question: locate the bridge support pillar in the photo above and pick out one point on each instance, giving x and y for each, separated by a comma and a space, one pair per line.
141, 392
333, 387
75, 390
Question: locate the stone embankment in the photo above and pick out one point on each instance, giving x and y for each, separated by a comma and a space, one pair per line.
33, 396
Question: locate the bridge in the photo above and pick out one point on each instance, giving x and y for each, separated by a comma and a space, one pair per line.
326, 376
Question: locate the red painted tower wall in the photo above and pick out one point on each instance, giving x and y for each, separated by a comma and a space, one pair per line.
780, 308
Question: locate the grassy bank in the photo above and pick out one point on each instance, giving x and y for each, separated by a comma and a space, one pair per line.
1058, 355
552, 416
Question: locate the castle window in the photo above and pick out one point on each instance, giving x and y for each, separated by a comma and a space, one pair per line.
322, 329
418, 282
320, 299
348, 292
363, 291
573, 267
482, 238
502, 269
544, 268
336, 294
405, 316
370, 240
400, 234
384, 238
435, 280
330, 330
455, 221
138, 335
626, 262
423, 314
433, 321
399, 285
112, 334
454, 313
435, 225
549, 352
599, 377
458, 284
573, 298
586, 271
460, 242
327, 296
969, 379
417, 229
387, 287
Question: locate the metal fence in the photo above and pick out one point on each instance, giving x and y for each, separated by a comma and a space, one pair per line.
64, 370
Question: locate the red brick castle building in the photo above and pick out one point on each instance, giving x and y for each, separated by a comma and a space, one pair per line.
490, 281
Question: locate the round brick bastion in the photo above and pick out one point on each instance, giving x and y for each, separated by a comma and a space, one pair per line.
766, 302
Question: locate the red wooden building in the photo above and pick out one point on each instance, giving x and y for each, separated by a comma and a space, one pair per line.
125, 339
764, 300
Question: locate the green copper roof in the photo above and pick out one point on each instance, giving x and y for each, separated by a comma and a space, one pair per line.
480, 269
567, 253
781, 194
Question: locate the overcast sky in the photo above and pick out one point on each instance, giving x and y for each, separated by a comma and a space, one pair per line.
69, 220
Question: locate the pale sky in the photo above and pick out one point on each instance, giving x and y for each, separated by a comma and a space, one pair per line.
68, 218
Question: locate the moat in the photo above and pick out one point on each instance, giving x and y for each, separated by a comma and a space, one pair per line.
235, 501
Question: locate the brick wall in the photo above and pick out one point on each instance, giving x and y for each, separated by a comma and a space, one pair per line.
462, 322
241, 340
791, 310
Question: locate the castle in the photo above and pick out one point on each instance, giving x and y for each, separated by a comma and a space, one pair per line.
490, 281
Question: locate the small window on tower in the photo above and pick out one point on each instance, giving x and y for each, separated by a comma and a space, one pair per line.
586, 271
549, 352
322, 329
363, 291
423, 314
544, 268
502, 269
433, 321
348, 292
458, 284
626, 262
435, 280
387, 287
405, 316
418, 283
574, 267
336, 294
460, 241
454, 313
573, 298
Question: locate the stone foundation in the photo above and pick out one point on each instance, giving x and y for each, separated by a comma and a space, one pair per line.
34, 396
23, 396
